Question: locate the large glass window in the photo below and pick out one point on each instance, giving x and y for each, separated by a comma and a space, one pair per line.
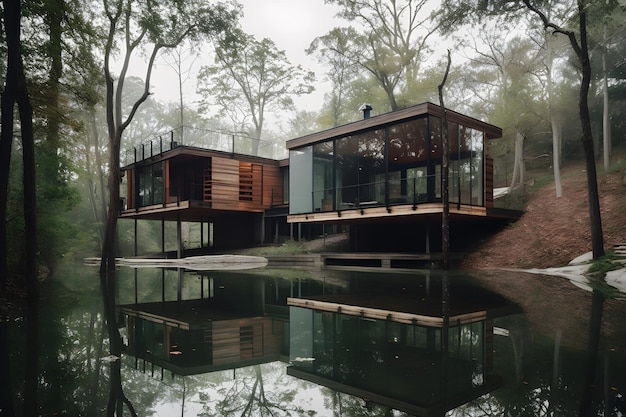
347, 172
398, 164
323, 184
300, 184
408, 159
371, 169
434, 165
470, 166
360, 170
150, 181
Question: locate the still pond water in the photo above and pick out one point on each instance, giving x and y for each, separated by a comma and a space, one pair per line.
290, 342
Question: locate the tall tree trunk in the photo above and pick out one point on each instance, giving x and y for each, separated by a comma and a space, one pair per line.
6, 391
445, 171
556, 153
98, 205
555, 121
606, 115
16, 92
54, 17
7, 102
597, 239
110, 230
30, 190
6, 142
518, 161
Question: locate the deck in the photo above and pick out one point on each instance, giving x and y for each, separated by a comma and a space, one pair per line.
351, 260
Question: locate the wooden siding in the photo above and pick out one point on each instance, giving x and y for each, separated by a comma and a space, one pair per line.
224, 183
235, 340
488, 182
241, 185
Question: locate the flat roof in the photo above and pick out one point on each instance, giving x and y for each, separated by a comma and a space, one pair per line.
422, 109
185, 150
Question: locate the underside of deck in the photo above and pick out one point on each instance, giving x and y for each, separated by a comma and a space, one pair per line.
187, 211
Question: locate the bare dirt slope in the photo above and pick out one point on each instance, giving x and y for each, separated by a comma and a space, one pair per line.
553, 231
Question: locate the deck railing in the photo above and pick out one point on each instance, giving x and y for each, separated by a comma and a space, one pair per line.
213, 140
414, 190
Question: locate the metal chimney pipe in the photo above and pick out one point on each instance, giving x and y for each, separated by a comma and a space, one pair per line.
366, 109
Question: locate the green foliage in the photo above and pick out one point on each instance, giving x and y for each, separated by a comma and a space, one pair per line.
382, 42
605, 264
290, 247
251, 78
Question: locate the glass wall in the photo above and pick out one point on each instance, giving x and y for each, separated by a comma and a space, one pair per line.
466, 165
360, 170
323, 189
397, 164
150, 185
408, 161
300, 184
390, 358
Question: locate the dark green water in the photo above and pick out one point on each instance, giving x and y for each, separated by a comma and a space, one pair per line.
289, 342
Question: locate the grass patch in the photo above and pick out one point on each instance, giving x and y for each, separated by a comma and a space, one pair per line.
605, 264
290, 247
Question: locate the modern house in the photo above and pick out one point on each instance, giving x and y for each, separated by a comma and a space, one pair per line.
233, 196
379, 177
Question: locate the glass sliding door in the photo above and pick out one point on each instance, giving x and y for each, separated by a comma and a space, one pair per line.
346, 172
371, 168
408, 161
150, 185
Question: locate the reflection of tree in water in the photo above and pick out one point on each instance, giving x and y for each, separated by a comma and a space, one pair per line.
248, 395
116, 393
344, 405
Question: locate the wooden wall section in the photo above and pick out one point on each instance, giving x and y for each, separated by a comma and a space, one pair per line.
242, 185
225, 183
489, 182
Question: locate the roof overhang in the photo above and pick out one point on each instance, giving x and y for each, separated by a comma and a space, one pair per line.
491, 131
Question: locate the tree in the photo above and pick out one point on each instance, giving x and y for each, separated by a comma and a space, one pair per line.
15, 92
153, 27
458, 11
177, 61
607, 33
391, 44
500, 79
334, 50
251, 78
445, 172
581, 49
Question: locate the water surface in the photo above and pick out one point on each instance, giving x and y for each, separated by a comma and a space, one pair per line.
289, 342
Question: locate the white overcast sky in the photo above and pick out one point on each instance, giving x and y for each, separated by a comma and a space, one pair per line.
291, 24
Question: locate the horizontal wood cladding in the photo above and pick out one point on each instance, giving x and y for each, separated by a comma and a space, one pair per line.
242, 185
224, 182
249, 338
489, 182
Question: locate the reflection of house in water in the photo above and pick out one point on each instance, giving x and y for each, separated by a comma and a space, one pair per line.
191, 338
227, 327
388, 349
236, 319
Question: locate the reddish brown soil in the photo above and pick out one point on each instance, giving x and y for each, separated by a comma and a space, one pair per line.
553, 231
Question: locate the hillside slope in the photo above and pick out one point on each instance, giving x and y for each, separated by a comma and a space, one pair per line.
553, 231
